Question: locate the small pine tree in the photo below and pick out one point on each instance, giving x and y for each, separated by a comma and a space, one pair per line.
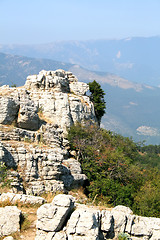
97, 97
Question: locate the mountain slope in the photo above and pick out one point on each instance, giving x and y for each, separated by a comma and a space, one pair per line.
14, 69
136, 59
132, 109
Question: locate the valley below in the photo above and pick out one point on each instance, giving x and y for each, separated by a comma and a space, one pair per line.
132, 109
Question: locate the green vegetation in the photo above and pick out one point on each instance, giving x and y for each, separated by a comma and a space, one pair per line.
116, 170
13, 85
123, 236
97, 97
150, 156
5, 182
3, 171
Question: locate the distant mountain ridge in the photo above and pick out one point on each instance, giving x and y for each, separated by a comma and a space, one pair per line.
132, 108
136, 59
14, 69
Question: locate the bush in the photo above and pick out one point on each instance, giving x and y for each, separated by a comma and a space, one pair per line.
107, 161
113, 166
123, 236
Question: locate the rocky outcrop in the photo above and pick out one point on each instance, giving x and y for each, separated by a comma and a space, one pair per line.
51, 96
88, 223
41, 169
9, 220
39, 114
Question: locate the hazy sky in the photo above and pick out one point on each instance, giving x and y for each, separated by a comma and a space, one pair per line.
44, 21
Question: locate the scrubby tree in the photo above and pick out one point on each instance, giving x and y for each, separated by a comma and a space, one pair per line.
97, 97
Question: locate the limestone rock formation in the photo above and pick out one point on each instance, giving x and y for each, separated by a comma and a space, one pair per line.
88, 223
9, 238
60, 97
37, 115
23, 198
28, 113
57, 95
42, 169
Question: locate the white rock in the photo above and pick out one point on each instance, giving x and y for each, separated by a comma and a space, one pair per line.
123, 209
51, 217
106, 220
83, 223
144, 226
8, 110
27, 116
9, 220
120, 214
155, 235
63, 200
60, 236
12, 197
8, 238
79, 88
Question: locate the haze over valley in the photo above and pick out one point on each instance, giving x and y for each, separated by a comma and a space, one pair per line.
132, 108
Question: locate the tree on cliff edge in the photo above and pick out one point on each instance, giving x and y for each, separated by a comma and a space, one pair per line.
97, 97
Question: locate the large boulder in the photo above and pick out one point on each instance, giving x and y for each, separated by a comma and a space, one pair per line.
9, 220
83, 224
52, 217
8, 110
116, 221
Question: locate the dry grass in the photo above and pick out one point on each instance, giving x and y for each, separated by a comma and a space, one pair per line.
49, 196
6, 91
4, 188
19, 204
7, 128
81, 198
45, 118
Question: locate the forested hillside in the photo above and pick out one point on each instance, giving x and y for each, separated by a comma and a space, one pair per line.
119, 170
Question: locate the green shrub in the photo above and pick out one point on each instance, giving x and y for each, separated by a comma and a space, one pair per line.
3, 171
123, 236
113, 166
107, 161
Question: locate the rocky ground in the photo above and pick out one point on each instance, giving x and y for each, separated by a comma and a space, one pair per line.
64, 218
